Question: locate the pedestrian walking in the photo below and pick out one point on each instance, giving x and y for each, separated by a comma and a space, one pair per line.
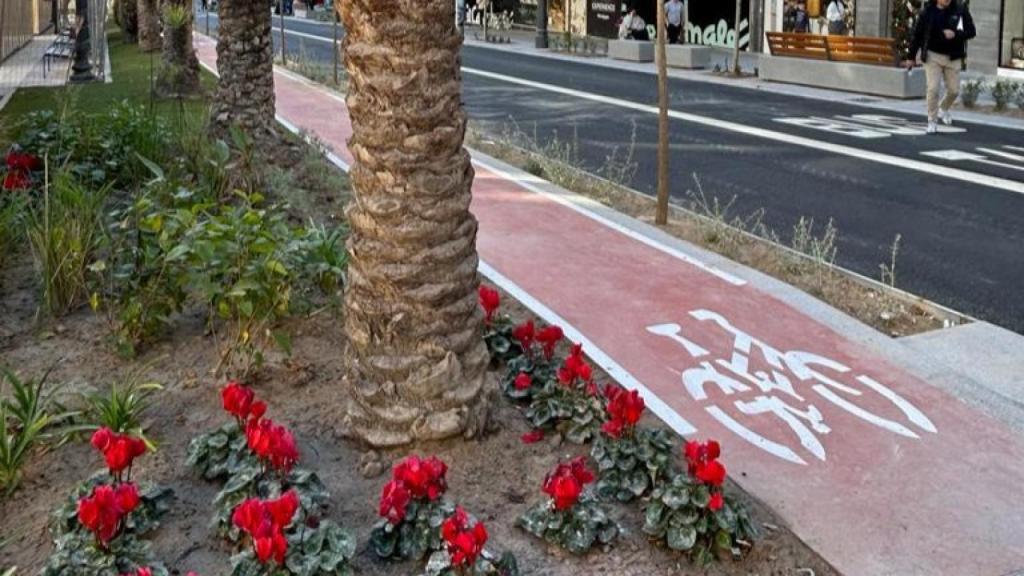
674, 20
836, 16
939, 42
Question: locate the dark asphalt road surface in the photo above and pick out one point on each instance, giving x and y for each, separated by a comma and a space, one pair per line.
962, 239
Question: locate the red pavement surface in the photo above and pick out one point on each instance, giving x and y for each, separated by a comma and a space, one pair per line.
879, 472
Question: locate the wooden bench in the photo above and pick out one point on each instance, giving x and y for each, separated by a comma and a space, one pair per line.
859, 49
881, 51
811, 46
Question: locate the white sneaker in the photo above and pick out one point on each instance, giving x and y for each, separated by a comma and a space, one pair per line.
947, 118
933, 127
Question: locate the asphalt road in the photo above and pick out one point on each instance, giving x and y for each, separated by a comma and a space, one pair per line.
956, 199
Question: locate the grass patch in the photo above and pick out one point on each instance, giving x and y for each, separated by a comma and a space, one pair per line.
133, 73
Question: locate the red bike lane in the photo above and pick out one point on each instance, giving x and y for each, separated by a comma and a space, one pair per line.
881, 473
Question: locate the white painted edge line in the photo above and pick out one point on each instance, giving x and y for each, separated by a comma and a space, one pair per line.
906, 163
616, 371
530, 183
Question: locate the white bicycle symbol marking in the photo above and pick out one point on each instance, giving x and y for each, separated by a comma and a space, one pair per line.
732, 376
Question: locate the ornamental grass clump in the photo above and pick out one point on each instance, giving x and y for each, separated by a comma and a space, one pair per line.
571, 517
631, 460
693, 514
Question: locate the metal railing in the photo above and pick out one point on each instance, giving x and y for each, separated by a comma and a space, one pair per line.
16, 25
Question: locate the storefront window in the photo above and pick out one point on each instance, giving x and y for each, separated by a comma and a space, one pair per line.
1012, 43
810, 16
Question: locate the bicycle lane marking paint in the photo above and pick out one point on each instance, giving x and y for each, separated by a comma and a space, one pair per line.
895, 468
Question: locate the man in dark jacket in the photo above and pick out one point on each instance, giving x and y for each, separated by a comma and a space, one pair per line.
940, 41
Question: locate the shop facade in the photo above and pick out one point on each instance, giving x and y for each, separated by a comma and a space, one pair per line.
998, 48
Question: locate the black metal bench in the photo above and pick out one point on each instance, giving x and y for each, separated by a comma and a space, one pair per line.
63, 47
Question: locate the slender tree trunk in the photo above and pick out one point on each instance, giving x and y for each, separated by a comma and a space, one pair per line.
130, 20
416, 363
736, 44
661, 217
179, 71
149, 25
245, 62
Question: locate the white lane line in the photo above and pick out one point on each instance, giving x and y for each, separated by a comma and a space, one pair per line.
829, 147
1017, 148
531, 182
994, 152
613, 368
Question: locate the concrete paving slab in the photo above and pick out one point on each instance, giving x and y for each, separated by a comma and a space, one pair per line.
989, 363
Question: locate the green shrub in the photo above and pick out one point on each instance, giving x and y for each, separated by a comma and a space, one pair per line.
245, 264
142, 281
970, 90
1003, 92
64, 230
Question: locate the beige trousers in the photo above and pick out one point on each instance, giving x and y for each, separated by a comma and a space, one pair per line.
939, 68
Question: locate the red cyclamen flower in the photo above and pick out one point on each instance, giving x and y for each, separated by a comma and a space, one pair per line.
716, 502
565, 483
549, 338
575, 368
23, 161
489, 301
272, 443
240, 401
119, 450
102, 511
17, 180
423, 478
524, 334
624, 410
393, 501
465, 543
702, 462
523, 381
265, 521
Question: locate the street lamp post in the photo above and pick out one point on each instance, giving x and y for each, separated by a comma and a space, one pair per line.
542, 24
82, 68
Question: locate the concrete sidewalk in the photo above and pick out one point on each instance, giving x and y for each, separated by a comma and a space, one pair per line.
522, 42
852, 438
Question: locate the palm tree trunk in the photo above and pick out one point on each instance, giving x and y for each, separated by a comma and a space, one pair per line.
149, 25
179, 70
416, 363
245, 62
